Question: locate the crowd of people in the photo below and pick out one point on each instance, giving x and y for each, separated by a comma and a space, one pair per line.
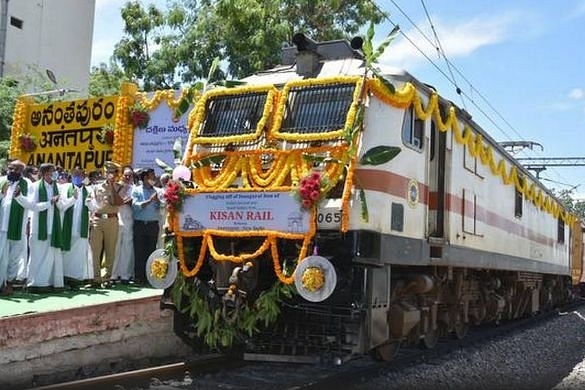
62, 229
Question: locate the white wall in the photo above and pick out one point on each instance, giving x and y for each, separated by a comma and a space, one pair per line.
56, 35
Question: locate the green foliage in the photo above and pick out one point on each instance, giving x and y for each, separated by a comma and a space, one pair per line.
379, 155
576, 207
31, 81
162, 50
219, 330
105, 80
9, 92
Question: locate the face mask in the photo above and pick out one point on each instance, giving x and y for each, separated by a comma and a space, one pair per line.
77, 180
13, 176
55, 175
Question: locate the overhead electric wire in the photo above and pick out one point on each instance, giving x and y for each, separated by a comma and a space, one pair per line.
450, 66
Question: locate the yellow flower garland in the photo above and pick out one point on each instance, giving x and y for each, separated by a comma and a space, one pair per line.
408, 95
123, 128
286, 166
19, 119
269, 242
199, 115
301, 137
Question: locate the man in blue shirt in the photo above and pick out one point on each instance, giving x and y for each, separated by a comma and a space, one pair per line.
145, 205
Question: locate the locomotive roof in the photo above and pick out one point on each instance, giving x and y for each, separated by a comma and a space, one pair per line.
337, 58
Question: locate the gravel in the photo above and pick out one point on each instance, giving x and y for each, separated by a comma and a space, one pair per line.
546, 356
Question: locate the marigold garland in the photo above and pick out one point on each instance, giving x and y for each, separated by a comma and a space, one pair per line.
19, 119
270, 241
407, 96
302, 137
199, 115
286, 166
123, 128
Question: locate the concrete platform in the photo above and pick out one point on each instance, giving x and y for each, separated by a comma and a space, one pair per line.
51, 337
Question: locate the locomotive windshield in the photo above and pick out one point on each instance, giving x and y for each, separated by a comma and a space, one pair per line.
233, 114
317, 109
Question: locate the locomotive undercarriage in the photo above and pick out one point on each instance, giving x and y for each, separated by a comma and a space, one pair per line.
433, 302
377, 307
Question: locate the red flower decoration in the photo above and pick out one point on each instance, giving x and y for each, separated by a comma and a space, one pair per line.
174, 195
106, 135
138, 116
308, 191
28, 142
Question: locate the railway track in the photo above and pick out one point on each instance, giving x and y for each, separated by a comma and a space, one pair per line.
142, 378
230, 372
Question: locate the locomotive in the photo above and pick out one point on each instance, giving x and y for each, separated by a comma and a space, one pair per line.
334, 211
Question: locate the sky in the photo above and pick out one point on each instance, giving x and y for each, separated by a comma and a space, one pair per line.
518, 64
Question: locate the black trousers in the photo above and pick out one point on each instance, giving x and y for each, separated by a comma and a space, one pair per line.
145, 239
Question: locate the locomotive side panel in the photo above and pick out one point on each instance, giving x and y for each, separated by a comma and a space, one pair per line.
486, 213
396, 192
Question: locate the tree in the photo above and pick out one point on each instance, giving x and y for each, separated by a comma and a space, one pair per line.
575, 207
105, 80
164, 49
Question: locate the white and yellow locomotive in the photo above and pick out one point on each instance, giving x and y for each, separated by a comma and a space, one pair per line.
297, 181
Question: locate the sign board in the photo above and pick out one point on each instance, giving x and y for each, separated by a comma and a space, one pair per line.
157, 139
243, 211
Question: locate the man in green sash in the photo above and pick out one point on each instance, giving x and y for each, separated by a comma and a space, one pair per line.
45, 265
77, 264
13, 218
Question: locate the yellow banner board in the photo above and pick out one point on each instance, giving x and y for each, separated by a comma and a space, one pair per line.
68, 132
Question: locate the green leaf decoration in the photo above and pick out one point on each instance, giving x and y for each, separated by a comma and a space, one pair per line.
208, 160
178, 150
379, 155
380, 50
364, 205
389, 86
163, 165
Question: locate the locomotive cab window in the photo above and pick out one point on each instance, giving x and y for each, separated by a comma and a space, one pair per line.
560, 231
518, 199
317, 109
233, 114
412, 130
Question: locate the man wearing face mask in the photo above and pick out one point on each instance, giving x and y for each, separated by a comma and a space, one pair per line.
45, 264
103, 202
77, 265
13, 238
146, 204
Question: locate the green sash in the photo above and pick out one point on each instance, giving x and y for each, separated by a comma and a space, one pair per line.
68, 220
16, 213
56, 228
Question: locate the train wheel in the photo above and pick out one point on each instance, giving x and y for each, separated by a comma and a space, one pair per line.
460, 330
431, 339
387, 352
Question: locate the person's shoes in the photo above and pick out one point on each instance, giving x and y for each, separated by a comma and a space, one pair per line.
7, 290
107, 284
125, 282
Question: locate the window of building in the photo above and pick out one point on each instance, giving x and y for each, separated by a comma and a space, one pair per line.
412, 130
317, 109
16, 22
233, 114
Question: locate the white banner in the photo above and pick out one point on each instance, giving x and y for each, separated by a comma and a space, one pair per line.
156, 141
246, 211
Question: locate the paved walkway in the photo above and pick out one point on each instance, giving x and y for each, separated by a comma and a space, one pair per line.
22, 302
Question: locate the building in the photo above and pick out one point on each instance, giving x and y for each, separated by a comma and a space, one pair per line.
53, 37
